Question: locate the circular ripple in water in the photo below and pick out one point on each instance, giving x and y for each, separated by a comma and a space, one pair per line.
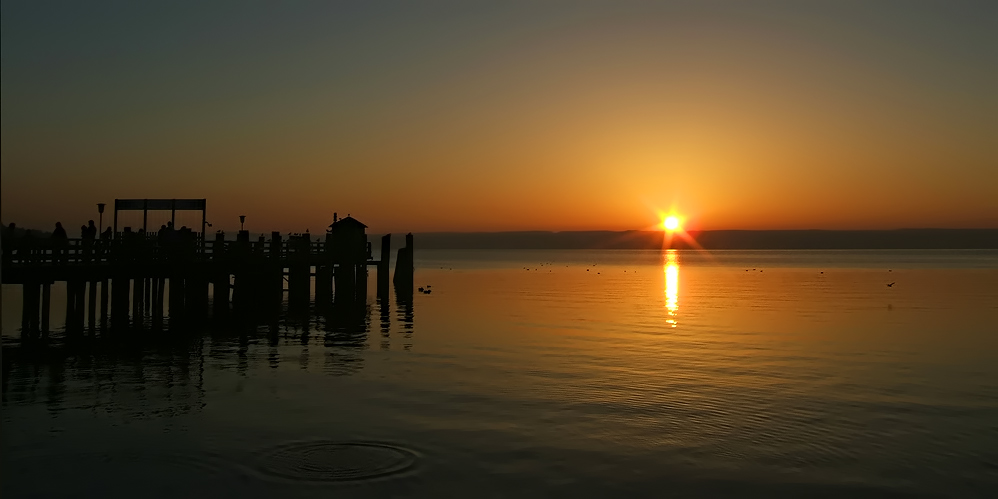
332, 461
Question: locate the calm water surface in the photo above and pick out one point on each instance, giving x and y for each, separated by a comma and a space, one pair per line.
538, 374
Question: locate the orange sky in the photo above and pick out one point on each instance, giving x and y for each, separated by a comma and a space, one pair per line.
512, 117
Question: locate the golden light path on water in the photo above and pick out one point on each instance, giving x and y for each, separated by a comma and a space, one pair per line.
672, 285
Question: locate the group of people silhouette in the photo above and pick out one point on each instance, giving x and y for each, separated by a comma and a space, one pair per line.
23, 244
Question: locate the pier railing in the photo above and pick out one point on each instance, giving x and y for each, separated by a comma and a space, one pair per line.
150, 250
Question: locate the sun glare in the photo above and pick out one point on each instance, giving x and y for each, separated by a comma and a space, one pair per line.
670, 223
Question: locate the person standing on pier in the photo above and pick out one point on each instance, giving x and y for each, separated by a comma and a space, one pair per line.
60, 243
87, 238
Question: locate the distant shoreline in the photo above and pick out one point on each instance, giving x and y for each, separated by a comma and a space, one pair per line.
708, 239
717, 239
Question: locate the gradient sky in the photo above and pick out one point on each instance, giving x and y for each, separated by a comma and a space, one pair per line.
467, 116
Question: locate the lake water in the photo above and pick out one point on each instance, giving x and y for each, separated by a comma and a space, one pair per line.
539, 374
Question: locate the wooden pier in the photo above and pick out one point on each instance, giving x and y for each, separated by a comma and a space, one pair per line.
122, 277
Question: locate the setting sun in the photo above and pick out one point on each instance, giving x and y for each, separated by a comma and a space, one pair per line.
670, 223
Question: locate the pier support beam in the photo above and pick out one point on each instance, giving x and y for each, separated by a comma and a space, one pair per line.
138, 287
119, 300
323, 284
196, 295
103, 302
404, 266
29, 308
220, 295
177, 306
46, 306
92, 305
384, 267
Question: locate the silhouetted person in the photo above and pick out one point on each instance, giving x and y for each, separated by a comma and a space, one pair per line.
105, 241
27, 246
60, 243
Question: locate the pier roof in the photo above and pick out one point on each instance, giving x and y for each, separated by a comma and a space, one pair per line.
347, 221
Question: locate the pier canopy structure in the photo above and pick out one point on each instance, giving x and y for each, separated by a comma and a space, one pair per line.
171, 205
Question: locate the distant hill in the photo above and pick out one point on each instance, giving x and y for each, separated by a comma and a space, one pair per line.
718, 239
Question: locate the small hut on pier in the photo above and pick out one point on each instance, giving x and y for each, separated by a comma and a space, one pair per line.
346, 241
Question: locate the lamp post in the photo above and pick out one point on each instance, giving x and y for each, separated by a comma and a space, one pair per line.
100, 213
242, 220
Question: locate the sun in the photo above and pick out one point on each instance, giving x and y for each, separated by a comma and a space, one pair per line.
670, 223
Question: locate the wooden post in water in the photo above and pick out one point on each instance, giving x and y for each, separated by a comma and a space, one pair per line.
384, 268
346, 280
29, 307
273, 285
242, 289
220, 295
220, 298
177, 306
81, 303
404, 265
70, 305
119, 300
92, 306
147, 295
103, 302
196, 296
46, 306
360, 282
160, 296
156, 307
299, 276
323, 284
138, 299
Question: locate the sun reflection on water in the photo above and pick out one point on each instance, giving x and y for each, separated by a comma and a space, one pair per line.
672, 285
